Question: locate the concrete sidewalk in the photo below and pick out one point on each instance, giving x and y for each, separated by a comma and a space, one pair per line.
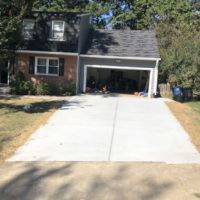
98, 181
110, 128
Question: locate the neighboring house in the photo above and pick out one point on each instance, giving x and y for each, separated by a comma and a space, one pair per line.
63, 47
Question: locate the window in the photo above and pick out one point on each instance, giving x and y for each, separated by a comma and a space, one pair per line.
42, 65
58, 30
28, 28
53, 66
47, 66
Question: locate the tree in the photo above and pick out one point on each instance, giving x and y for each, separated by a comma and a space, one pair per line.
61, 5
11, 14
181, 62
100, 12
178, 37
97, 9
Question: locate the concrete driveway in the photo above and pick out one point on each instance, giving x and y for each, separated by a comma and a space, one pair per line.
110, 128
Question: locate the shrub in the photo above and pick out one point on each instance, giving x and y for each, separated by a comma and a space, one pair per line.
17, 83
70, 89
55, 89
21, 86
29, 88
43, 88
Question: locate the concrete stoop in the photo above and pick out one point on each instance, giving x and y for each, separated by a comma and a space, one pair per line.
5, 89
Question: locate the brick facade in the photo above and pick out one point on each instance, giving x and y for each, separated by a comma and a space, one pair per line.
70, 66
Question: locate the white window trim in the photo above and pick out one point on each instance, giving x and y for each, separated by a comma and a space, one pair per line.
47, 66
27, 20
52, 30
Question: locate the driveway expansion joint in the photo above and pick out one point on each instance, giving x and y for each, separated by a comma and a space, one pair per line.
113, 130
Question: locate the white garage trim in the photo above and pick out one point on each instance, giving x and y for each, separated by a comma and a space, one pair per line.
119, 57
156, 77
119, 67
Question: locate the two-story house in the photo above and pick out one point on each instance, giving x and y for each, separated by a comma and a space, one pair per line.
60, 47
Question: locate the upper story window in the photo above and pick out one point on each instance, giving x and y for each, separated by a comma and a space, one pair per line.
28, 28
58, 28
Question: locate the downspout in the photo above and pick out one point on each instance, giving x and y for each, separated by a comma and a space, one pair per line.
150, 83
77, 73
78, 59
8, 68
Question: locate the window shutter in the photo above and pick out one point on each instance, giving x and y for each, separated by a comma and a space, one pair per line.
61, 66
64, 34
32, 65
49, 29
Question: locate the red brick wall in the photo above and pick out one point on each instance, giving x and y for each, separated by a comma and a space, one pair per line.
22, 64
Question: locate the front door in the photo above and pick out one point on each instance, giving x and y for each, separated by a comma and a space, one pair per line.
3, 72
3, 76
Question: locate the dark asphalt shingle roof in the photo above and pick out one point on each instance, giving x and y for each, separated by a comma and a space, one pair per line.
127, 43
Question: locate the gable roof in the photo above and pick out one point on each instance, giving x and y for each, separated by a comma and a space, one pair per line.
125, 43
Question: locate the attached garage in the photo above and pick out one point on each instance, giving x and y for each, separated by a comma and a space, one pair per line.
115, 80
123, 60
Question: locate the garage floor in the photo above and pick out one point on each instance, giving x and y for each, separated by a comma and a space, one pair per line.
110, 128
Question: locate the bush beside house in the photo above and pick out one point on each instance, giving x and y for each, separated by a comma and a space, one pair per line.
21, 86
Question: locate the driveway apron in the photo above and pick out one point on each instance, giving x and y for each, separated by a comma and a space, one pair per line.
110, 128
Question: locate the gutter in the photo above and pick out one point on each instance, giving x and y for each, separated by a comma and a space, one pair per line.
77, 73
48, 52
120, 57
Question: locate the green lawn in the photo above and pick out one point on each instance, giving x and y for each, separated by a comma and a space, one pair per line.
16, 125
195, 105
188, 115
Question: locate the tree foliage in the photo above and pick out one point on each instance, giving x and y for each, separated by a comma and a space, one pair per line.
178, 37
181, 62
60, 5
11, 14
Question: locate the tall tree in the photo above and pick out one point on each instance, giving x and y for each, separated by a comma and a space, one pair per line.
61, 5
11, 14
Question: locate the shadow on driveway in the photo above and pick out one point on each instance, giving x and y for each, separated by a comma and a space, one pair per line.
62, 180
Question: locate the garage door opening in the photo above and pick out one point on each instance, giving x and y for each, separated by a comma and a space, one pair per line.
114, 80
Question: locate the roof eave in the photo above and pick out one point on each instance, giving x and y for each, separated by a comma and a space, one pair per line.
121, 57
48, 52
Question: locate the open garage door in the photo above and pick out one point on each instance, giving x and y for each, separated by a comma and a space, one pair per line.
118, 79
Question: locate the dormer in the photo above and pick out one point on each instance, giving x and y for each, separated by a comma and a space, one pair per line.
55, 31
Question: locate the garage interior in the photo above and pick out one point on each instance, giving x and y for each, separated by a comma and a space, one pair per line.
117, 81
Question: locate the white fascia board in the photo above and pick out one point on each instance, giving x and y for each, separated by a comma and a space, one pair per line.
120, 57
48, 52
118, 67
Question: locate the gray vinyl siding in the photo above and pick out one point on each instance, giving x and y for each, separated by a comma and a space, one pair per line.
112, 62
